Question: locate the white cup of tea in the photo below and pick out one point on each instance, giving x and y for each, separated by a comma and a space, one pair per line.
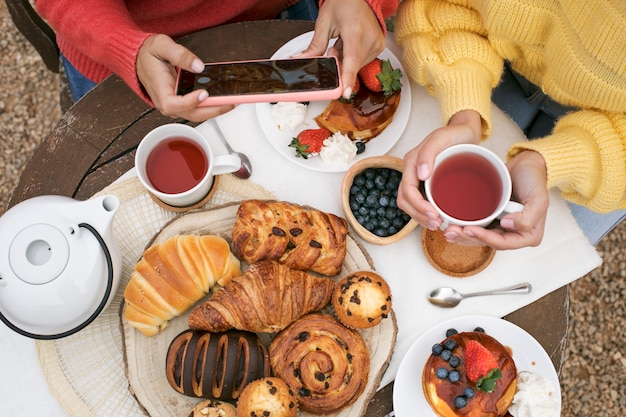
470, 186
176, 164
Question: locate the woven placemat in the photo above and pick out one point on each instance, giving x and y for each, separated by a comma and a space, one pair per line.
85, 371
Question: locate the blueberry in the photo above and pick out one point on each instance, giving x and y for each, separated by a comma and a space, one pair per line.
454, 376
454, 361
360, 147
380, 181
384, 201
359, 180
446, 354
451, 332
437, 349
442, 373
460, 401
450, 344
468, 392
371, 200
479, 330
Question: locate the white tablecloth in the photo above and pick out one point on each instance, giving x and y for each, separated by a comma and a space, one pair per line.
564, 255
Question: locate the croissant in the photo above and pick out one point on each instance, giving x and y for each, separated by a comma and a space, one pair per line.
172, 276
266, 298
300, 237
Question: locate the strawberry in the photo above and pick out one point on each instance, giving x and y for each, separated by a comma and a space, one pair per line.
481, 366
309, 141
379, 75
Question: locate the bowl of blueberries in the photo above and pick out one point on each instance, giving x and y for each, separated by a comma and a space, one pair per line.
368, 195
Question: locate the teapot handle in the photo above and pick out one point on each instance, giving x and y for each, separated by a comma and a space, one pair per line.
95, 314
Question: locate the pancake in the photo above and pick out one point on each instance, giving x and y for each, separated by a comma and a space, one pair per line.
442, 392
363, 118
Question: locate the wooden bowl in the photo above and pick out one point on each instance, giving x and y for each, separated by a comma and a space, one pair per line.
372, 162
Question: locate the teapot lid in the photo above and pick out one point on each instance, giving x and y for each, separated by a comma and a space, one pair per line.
38, 254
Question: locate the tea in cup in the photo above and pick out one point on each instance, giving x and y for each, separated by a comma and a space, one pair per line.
176, 164
470, 186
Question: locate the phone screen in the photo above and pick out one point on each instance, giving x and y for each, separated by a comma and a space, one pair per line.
262, 77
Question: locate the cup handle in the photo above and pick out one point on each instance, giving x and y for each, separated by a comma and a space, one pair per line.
225, 164
511, 207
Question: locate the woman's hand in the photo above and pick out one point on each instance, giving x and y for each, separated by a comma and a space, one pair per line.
361, 38
156, 69
517, 230
464, 127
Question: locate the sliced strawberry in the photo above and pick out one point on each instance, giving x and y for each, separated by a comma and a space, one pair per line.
478, 361
309, 141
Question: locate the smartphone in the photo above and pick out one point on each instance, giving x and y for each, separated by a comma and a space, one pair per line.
293, 79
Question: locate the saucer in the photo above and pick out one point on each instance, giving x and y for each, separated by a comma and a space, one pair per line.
193, 206
455, 260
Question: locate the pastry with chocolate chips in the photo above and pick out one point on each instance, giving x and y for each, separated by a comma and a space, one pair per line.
361, 300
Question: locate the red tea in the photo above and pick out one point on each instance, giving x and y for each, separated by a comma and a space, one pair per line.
467, 187
176, 165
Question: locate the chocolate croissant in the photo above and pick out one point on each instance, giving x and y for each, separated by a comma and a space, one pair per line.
325, 363
215, 365
266, 298
172, 276
300, 237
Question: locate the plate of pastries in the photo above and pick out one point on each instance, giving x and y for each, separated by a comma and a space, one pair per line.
476, 366
372, 120
259, 307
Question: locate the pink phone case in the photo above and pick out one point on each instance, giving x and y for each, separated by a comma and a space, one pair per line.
301, 96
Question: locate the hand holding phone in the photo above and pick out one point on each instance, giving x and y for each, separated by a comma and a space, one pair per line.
294, 79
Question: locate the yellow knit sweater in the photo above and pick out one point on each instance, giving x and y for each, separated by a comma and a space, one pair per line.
574, 49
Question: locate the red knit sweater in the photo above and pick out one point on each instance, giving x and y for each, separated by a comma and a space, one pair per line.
103, 36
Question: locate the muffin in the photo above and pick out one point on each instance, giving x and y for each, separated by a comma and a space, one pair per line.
269, 396
361, 300
213, 408
469, 374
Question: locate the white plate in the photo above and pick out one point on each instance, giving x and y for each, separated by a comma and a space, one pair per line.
528, 354
376, 147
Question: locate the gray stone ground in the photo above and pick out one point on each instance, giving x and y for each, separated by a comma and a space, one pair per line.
593, 378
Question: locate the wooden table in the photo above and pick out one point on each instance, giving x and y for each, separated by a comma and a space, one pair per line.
95, 141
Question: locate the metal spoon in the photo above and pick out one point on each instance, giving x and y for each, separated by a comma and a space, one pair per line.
246, 167
449, 297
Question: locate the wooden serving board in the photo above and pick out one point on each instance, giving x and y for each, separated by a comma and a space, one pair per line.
144, 357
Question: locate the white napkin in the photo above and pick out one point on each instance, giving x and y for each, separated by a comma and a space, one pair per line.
564, 255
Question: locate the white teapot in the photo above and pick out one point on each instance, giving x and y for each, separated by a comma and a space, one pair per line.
60, 265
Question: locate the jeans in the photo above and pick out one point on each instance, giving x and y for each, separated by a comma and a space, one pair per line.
536, 114
80, 85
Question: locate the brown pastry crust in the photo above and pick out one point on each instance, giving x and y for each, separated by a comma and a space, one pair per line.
300, 237
266, 298
215, 365
364, 118
172, 276
268, 396
213, 408
326, 364
440, 393
362, 299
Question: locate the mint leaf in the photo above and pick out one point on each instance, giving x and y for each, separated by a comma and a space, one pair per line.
488, 383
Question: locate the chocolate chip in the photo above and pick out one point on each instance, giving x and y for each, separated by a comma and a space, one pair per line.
383, 307
320, 376
278, 231
304, 392
273, 390
303, 336
355, 297
296, 231
315, 244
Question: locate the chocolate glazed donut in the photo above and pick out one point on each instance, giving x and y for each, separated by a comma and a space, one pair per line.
215, 365
326, 364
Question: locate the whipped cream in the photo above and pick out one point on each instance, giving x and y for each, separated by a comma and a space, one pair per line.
288, 115
535, 397
338, 150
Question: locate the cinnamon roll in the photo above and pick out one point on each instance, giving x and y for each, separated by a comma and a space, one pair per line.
325, 363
